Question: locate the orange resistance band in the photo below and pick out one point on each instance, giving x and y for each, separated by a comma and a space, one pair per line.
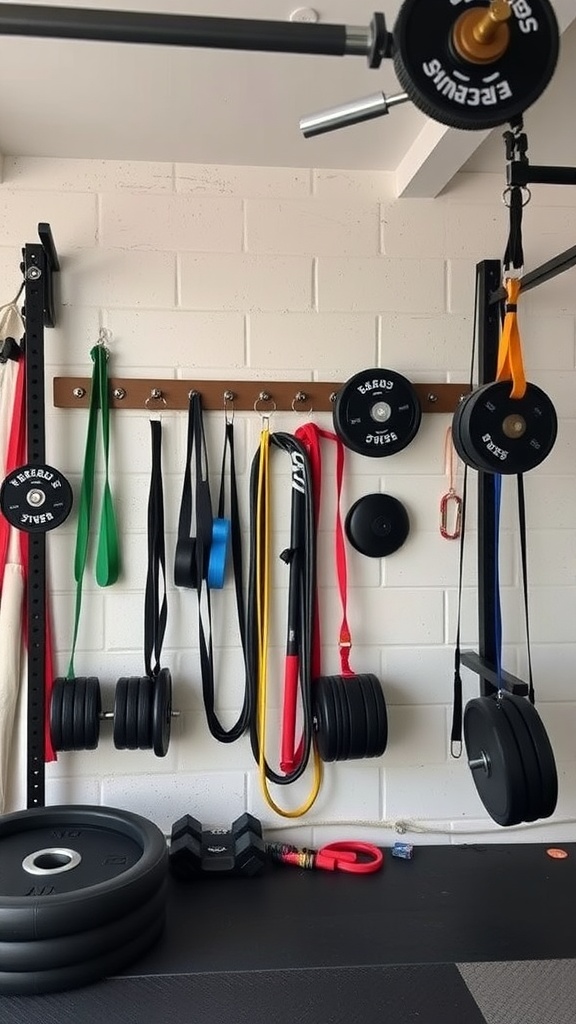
510, 360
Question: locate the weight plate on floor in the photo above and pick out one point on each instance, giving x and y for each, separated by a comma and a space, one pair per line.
131, 726
357, 720
328, 726
120, 713
381, 740
377, 413
377, 525
92, 712
528, 757
56, 712
67, 950
468, 84
545, 755
145, 699
61, 979
506, 435
162, 712
36, 499
494, 760
65, 866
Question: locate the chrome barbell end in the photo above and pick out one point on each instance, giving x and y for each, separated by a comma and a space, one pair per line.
348, 114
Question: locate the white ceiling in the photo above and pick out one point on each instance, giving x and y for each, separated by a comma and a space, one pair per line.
117, 101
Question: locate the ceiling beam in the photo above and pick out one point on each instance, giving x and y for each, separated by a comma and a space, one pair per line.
438, 152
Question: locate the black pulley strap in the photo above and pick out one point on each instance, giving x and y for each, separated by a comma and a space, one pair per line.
155, 600
193, 552
300, 556
457, 702
524, 557
214, 724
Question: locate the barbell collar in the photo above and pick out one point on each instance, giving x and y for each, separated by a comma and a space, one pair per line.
358, 41
348, 114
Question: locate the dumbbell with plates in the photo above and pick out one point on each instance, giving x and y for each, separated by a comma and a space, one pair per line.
142, 713
195, 851
350, 717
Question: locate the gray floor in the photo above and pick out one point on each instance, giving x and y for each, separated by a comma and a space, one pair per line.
530, 992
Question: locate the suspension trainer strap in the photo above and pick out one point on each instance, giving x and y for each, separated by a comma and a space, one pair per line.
108, 556
457, 700
155, 600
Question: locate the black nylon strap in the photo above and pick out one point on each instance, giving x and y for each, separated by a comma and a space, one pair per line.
155, 601
524, 555
457, 708
514, 255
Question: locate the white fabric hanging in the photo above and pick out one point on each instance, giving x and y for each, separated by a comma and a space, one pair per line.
12, 708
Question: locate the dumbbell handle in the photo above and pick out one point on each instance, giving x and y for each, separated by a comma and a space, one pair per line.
109, 715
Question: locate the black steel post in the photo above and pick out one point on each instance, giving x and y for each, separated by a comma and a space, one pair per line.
36, 275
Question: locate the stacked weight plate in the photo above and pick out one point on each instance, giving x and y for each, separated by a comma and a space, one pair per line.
82, 895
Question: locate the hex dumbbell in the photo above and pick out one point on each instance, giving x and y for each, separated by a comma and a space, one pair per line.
238, 851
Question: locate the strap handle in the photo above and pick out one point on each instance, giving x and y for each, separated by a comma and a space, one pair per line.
155, 600
510, 364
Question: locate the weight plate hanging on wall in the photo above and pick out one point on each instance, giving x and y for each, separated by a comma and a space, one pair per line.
499, 434
377, 525
475, 68
75, 713
350, 717
495, 761
377, 413
36, 499
544, 754
65, 866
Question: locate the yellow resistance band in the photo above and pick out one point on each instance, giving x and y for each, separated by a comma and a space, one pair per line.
263, 534
510, 360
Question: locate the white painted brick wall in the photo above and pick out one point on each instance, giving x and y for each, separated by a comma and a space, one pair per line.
271, 273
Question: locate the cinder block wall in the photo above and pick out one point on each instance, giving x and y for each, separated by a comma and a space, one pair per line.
242, 272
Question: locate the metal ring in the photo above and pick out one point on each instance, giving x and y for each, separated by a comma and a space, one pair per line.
301, 396
51, 861
265, 397
155, 396
527, 195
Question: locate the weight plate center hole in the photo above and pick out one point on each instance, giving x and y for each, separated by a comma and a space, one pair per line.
381, 412
52, 861
514, 426
481, 35
36, 497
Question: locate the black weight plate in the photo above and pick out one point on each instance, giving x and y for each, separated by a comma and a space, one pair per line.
484, 421
124, 859
92, 712
381, 712
62, 979
36, 499
66, 950
377, 525
79, 713
132, 690
145, 698
545, 755
120, 713
340, 702
328, 729
56, 712
162, 712
372, 717
68, 716
357, 718
528, 757
377, 413
464, 94
456, 434
502, 787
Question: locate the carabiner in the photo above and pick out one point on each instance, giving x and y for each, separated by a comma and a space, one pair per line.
451, 497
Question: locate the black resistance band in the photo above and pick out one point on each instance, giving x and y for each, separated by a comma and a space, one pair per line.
155, 601
301, 559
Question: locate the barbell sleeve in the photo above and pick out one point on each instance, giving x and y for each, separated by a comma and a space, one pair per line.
348, 114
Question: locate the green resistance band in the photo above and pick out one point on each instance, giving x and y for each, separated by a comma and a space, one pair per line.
107, 567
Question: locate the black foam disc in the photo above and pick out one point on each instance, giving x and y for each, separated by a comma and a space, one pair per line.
377, 525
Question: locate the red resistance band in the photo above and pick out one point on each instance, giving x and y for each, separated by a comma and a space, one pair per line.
310, 436
15, 457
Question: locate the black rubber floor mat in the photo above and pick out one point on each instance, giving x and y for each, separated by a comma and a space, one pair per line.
427, 994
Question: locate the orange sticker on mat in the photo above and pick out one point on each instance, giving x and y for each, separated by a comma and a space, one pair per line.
557, 854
